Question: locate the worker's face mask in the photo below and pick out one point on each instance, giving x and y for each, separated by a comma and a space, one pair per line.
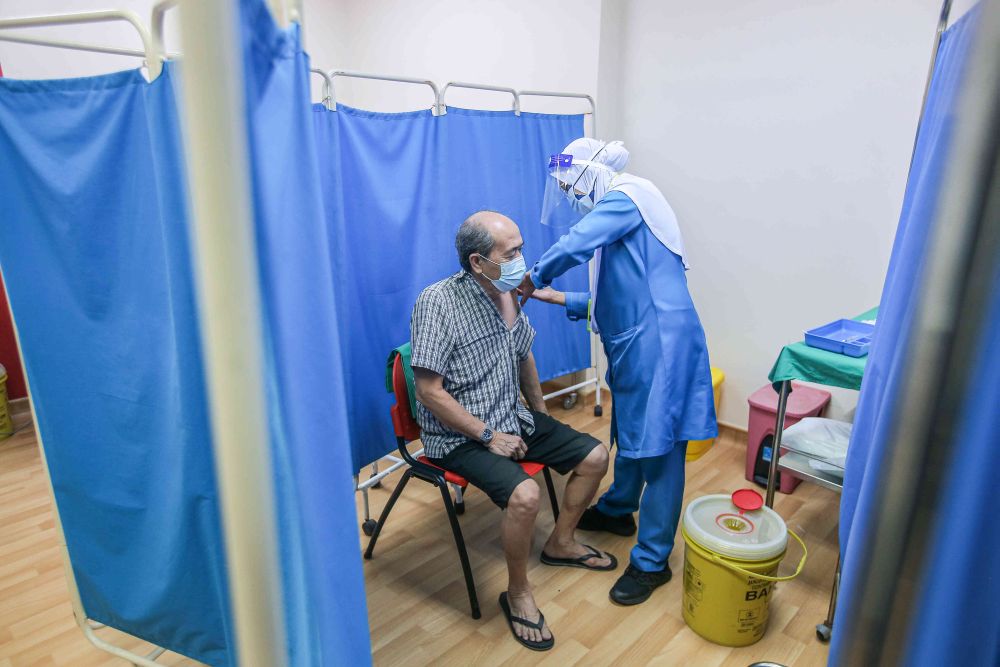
511, 273
582, 204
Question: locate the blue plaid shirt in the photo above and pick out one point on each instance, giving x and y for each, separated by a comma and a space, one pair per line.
457, 332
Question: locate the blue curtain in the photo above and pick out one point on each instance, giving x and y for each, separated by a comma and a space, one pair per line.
94, 250
886, 362
396, 188
326, 618
957, 621
94, 247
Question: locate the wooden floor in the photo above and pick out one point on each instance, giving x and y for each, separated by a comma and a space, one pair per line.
417, 606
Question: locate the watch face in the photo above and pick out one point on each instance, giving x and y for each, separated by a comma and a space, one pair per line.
487, 434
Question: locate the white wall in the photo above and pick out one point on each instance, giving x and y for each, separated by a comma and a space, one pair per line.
522, 45
781, 134
550, 45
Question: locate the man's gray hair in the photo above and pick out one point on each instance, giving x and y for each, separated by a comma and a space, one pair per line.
473, 238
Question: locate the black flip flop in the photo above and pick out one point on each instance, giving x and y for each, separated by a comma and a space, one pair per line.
543, 645
581, 561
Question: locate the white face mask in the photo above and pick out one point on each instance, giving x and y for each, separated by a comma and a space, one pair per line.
511, 273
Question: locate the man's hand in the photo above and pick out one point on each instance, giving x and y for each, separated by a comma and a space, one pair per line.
526, 289
508, 446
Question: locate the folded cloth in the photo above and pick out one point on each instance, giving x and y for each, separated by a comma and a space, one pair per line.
404, 352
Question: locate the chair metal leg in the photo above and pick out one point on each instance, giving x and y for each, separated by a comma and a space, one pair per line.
385, 512
459, 499
552, 493
463, 555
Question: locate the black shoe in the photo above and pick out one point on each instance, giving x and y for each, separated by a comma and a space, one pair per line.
636, 586
594, 519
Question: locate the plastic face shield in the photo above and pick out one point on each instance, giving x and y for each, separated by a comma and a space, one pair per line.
557, 208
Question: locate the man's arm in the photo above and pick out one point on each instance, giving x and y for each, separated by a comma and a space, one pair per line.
433, 396
530, 385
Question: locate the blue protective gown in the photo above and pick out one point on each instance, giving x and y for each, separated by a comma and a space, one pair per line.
658, 369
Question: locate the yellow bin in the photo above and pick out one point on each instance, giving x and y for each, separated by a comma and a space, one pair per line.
697, 448
731, 558
6, 425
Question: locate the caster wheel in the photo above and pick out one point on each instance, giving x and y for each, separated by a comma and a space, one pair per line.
570, 400
823, 632
598, 411
368, 527
376, 485
460, 508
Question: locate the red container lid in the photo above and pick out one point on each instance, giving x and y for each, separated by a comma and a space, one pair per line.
747, 500
802, 402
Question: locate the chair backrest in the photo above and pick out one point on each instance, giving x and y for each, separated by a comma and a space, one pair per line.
403, 422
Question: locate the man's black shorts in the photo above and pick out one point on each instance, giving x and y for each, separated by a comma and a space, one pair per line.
553, 444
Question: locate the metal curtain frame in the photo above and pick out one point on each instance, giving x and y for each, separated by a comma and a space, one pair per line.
202, 29
332, 74
329, 100
151, 51
229, 305
86, 625
153, 54
443, 109
941, 27
582, 96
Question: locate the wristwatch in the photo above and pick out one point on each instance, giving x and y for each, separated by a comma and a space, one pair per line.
486, 436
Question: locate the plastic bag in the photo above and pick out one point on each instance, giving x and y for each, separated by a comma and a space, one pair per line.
822, 440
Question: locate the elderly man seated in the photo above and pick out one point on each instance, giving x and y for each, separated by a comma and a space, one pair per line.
471, 361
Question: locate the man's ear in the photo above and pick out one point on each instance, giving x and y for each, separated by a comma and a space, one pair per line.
476, 263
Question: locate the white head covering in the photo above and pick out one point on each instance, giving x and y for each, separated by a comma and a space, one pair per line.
586, 174
601, 172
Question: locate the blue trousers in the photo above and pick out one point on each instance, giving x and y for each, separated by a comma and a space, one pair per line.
659, 505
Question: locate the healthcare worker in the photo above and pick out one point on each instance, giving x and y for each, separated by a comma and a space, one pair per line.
658, 372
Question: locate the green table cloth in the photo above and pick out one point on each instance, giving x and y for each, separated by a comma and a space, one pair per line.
798, 361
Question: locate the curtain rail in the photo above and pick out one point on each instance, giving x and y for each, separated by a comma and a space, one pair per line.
377, 77
154, 58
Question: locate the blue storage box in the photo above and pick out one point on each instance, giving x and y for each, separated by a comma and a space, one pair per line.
848, 337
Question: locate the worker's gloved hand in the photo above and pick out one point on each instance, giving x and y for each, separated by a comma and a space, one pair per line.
509, 446
549, 295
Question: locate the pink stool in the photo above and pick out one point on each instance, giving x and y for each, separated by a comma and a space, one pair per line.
802, 402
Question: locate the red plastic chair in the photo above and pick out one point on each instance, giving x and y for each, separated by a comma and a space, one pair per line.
407, 430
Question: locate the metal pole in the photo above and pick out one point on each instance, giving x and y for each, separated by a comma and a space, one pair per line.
831, 611
154, 60
941, 27
381, 77
227, 284
953, 290
442, 107
779, 426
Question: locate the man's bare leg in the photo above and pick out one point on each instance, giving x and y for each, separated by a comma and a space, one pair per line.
580, 490
516, 530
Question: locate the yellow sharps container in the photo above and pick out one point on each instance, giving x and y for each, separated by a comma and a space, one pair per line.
731, 557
